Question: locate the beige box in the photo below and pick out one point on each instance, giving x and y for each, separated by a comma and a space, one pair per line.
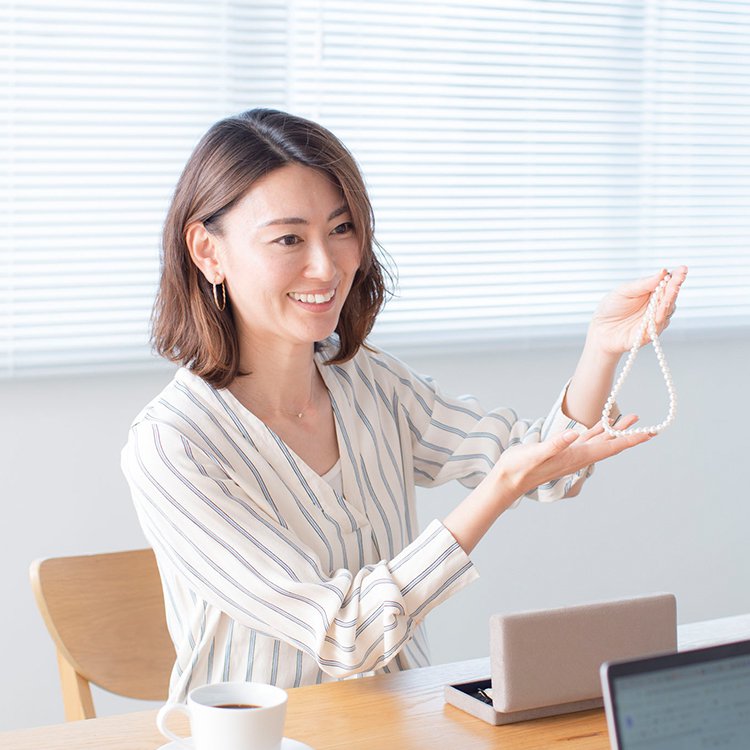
547, 662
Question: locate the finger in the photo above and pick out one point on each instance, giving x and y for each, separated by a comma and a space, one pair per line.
607, 448
668, 303
678, 276
624, 422
558, 443
590, 432
673, 287
639, 287
580, 456
662, 319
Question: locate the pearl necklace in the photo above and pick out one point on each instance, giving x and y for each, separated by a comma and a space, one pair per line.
648, 323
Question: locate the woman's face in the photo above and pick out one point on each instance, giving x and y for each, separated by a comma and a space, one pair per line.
288, 253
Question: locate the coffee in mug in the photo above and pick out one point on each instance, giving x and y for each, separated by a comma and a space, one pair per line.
255, 719
236, 705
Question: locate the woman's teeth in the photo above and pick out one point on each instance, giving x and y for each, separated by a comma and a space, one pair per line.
317, 299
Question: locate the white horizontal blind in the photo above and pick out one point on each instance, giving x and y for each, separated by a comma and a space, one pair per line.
103, 103
696, 151
523, 157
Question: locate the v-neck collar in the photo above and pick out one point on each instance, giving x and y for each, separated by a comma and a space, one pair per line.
345, 432
346, 435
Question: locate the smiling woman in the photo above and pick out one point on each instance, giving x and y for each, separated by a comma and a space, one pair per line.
275, 476
211, 210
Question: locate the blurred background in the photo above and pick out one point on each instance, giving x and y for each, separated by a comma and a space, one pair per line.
523, 157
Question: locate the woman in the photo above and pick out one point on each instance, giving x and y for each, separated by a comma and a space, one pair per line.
274, 476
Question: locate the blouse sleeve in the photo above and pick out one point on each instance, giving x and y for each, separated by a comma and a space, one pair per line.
243, 559
455, 438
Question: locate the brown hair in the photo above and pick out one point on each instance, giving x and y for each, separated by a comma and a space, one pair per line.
236, 152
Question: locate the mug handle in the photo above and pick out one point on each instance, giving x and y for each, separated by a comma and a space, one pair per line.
161, 719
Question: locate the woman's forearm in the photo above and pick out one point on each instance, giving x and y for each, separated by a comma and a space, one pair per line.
472, 518
591, 383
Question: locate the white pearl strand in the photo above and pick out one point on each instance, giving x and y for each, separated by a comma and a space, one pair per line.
648, 323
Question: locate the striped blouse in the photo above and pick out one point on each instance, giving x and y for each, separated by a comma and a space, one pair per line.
269, 573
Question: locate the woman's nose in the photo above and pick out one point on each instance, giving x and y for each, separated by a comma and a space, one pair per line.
321, 263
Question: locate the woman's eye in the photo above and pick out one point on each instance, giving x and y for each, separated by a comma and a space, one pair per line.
288, 240
344, 228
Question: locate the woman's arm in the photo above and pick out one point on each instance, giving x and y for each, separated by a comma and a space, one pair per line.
269, 572
524, 467
612, 330
456, 438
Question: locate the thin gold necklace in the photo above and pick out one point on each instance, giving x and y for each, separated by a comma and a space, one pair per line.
301, 413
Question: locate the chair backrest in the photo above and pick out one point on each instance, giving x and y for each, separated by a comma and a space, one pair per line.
105, 614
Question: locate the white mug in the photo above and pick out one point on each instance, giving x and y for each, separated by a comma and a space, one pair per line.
230, 716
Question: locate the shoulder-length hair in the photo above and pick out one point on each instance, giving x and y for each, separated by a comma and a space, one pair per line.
188, 327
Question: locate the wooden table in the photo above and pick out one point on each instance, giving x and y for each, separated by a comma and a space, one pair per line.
402, 711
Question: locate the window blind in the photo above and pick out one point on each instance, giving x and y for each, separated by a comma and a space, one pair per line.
523, 157
696, 152
104, 102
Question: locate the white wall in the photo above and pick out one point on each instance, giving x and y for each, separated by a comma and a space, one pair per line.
673, 516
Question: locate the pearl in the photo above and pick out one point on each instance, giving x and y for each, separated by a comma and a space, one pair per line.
648, 323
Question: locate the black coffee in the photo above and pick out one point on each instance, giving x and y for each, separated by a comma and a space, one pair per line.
236, 705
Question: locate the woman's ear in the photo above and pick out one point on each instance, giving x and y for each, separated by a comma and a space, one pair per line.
203, 249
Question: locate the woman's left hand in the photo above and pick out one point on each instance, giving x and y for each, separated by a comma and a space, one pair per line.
619, 315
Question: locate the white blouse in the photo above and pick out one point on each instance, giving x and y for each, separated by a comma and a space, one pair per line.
275, 574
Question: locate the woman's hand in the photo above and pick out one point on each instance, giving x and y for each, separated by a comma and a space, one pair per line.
618, 317
616, 323
522, 468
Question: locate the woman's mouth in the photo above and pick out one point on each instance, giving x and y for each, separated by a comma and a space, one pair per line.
319, 299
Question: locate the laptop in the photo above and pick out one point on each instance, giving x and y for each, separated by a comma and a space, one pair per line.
691, 700
546, 662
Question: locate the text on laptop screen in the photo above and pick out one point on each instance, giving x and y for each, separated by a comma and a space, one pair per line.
690, 707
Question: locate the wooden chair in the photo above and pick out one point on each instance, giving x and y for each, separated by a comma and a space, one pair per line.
105, 614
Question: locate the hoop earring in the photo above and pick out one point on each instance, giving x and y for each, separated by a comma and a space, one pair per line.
222, 306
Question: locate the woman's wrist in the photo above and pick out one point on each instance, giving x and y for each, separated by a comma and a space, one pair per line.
506, 486
597, 348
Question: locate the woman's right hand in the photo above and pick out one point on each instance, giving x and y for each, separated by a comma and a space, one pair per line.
522, 468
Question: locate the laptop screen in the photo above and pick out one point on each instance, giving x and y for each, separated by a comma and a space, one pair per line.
694, 700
